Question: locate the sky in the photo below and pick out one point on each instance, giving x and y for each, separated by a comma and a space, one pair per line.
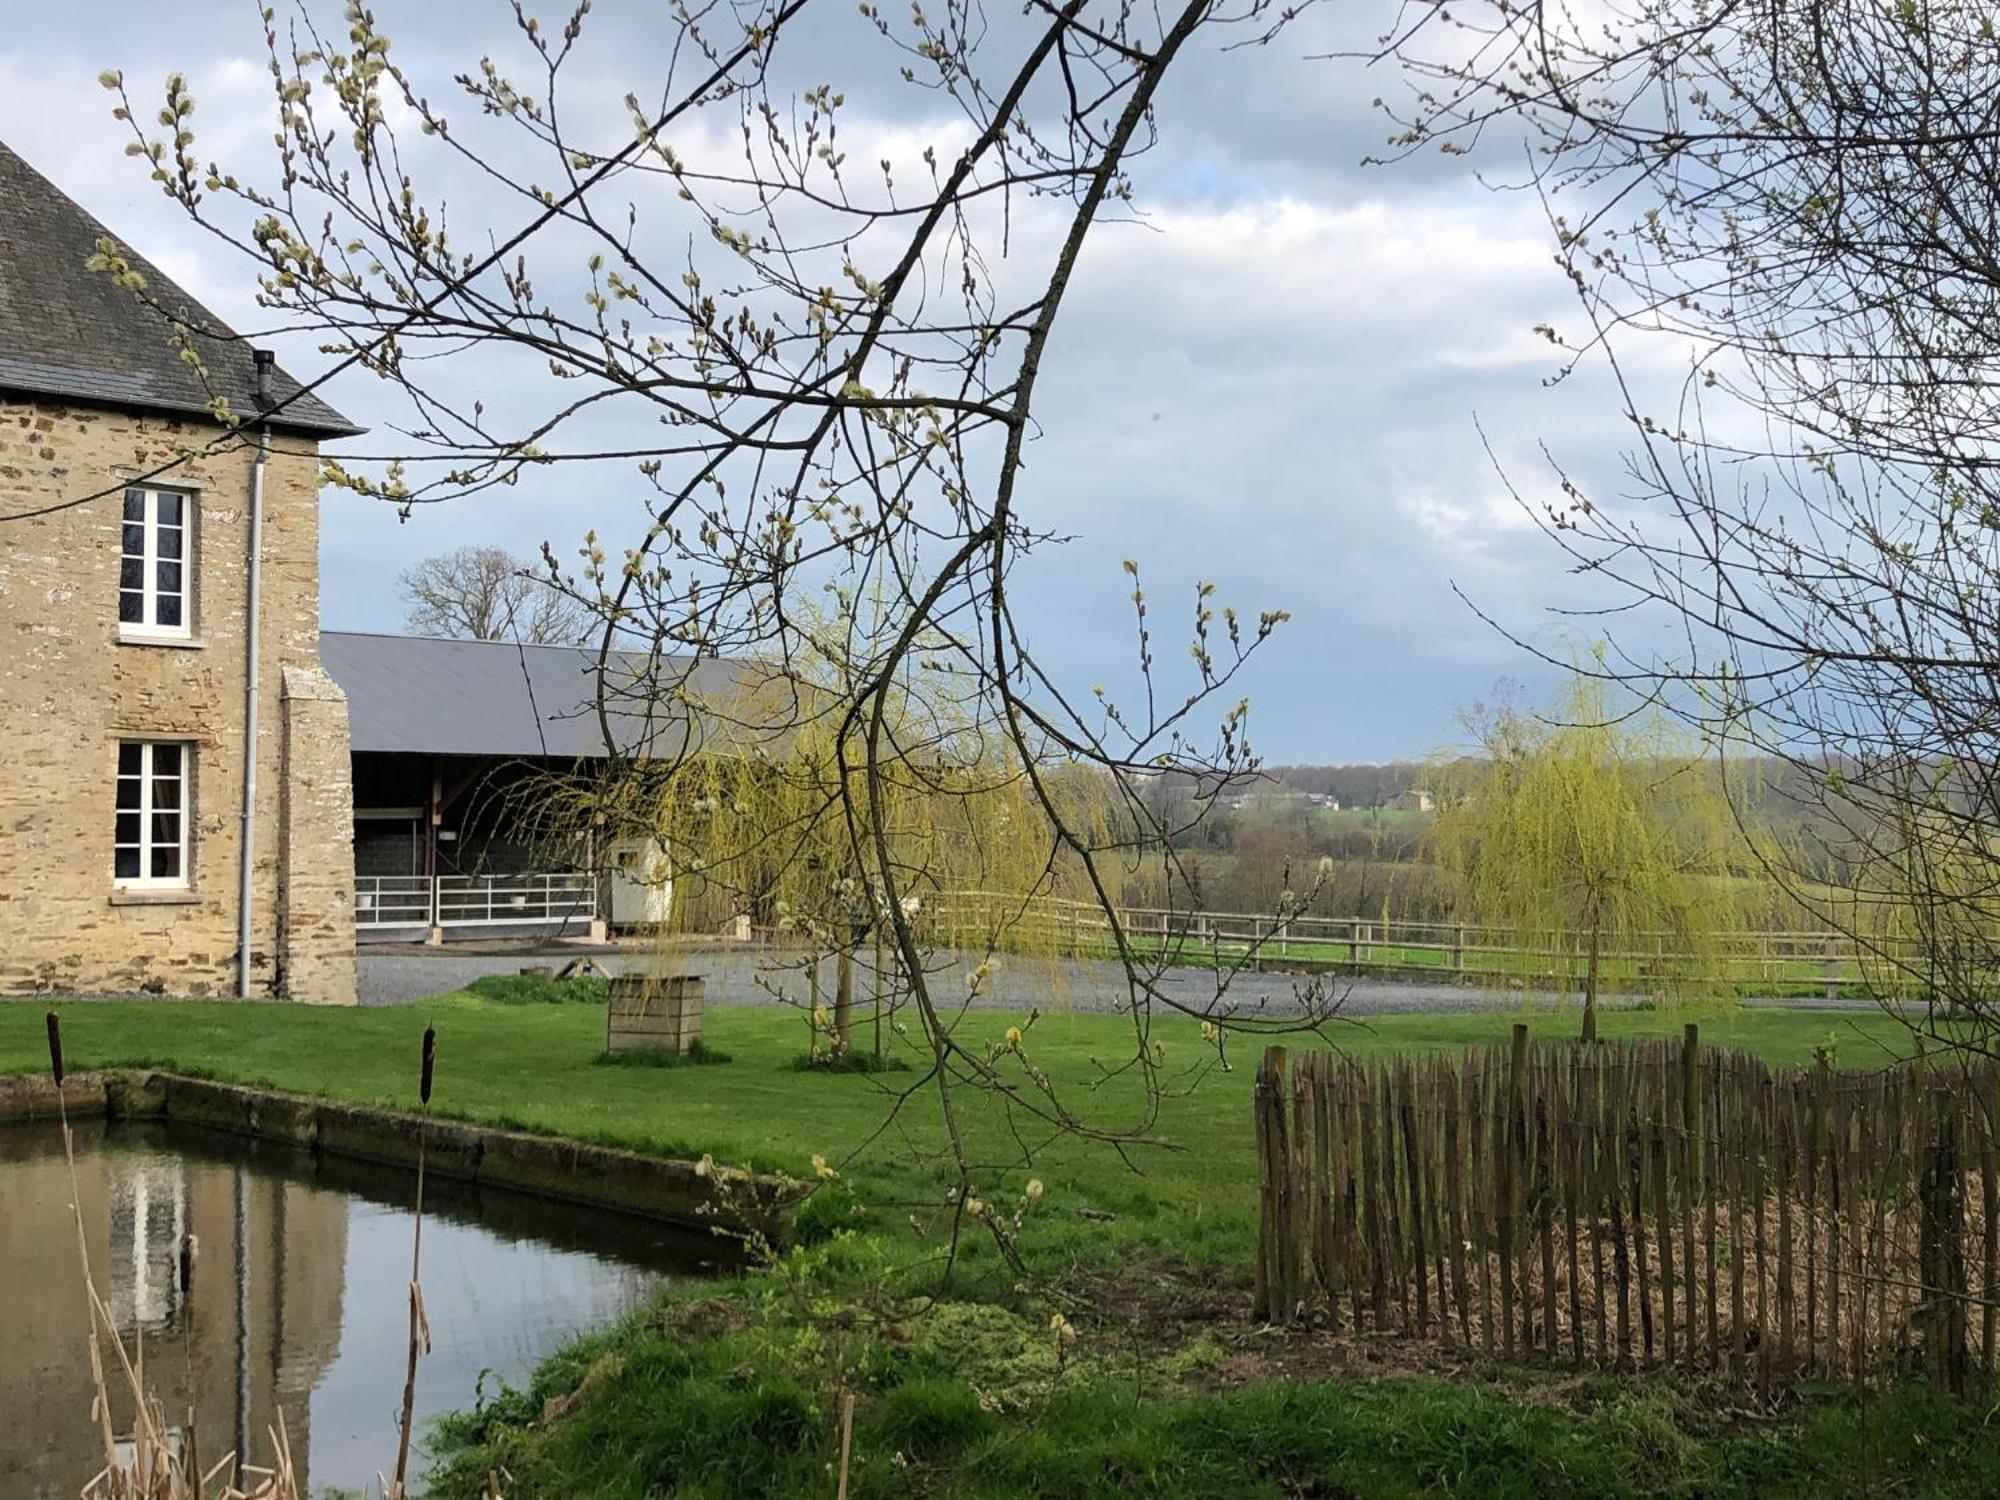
1295, 376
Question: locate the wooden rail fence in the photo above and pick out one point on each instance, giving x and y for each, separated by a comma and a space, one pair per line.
1751, 961
1638, 1206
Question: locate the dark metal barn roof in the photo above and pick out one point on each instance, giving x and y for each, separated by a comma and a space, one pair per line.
428, 696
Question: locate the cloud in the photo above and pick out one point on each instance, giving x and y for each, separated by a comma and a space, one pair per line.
1275, 380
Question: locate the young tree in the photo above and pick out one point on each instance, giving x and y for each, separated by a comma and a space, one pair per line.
1604, 843
762, 813
488, 594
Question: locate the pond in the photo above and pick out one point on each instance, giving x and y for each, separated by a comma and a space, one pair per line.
298, 1303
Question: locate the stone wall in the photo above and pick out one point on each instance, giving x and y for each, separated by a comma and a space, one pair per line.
699, 1195
316, 843
70, 689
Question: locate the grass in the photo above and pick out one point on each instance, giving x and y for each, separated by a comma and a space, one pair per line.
733, 1389
505, 1061
659, 1408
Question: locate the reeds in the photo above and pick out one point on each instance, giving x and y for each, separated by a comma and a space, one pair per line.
420, 1327
161, 1462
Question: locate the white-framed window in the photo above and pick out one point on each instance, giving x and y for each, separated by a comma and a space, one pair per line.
151, 847
153, 563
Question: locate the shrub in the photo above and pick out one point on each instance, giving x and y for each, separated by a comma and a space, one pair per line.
854, 1060
831, 1208
536, 989
700, 1055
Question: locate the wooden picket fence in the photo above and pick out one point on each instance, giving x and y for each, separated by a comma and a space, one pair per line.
1638, 1206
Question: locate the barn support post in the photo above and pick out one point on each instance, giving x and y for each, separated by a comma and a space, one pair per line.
433, 820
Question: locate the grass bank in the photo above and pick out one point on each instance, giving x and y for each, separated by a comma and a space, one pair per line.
1166, 1389
661, 1409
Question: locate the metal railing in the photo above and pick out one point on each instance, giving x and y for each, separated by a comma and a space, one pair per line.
474, 900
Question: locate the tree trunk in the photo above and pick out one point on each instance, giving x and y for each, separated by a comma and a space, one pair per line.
1590, 989
879, 983
843, 999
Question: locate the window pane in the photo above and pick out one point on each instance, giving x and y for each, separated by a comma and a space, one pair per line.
166, 864
170, 577
128, 759
135, 540
168, 543
166, 760
169, 609
167, 509
128, 796
128, 822
135, 505
166, 793
125, 864
131, 609
131, 573
166, 828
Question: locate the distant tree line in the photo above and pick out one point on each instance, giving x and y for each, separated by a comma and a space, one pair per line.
1241, 845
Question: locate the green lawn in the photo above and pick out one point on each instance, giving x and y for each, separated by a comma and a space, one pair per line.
733, 1389
535, 1066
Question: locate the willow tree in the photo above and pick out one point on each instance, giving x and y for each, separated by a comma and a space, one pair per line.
1604, 845
771, 804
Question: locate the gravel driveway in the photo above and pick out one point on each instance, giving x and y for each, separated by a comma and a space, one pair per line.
397, 975
405, 974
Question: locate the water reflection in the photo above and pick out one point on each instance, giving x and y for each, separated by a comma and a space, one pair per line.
297, 1300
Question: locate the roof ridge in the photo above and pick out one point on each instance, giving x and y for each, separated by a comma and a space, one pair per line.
69, 331
474, 640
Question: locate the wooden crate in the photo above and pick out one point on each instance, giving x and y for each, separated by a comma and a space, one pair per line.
654, 1013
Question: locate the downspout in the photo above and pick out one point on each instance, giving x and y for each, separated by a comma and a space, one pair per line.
253, 637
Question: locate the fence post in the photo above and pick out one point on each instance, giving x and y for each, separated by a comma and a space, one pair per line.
1691, 1168
1458, 948
1941, 1246
1513, 1144
1275, 1300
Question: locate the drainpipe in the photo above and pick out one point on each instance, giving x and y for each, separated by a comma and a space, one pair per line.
253, 641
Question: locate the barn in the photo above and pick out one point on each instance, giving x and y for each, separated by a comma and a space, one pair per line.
448, 738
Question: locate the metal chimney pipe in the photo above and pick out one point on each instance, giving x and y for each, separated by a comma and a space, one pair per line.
252, 665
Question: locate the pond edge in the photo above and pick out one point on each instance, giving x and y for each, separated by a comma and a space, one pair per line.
680, 1192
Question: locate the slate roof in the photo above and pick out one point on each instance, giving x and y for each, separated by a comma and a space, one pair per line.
68, 331
423, 695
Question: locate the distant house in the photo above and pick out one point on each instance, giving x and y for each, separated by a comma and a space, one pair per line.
174, 813
1416, 799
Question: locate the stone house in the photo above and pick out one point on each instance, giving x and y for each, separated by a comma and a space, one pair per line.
175, 805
